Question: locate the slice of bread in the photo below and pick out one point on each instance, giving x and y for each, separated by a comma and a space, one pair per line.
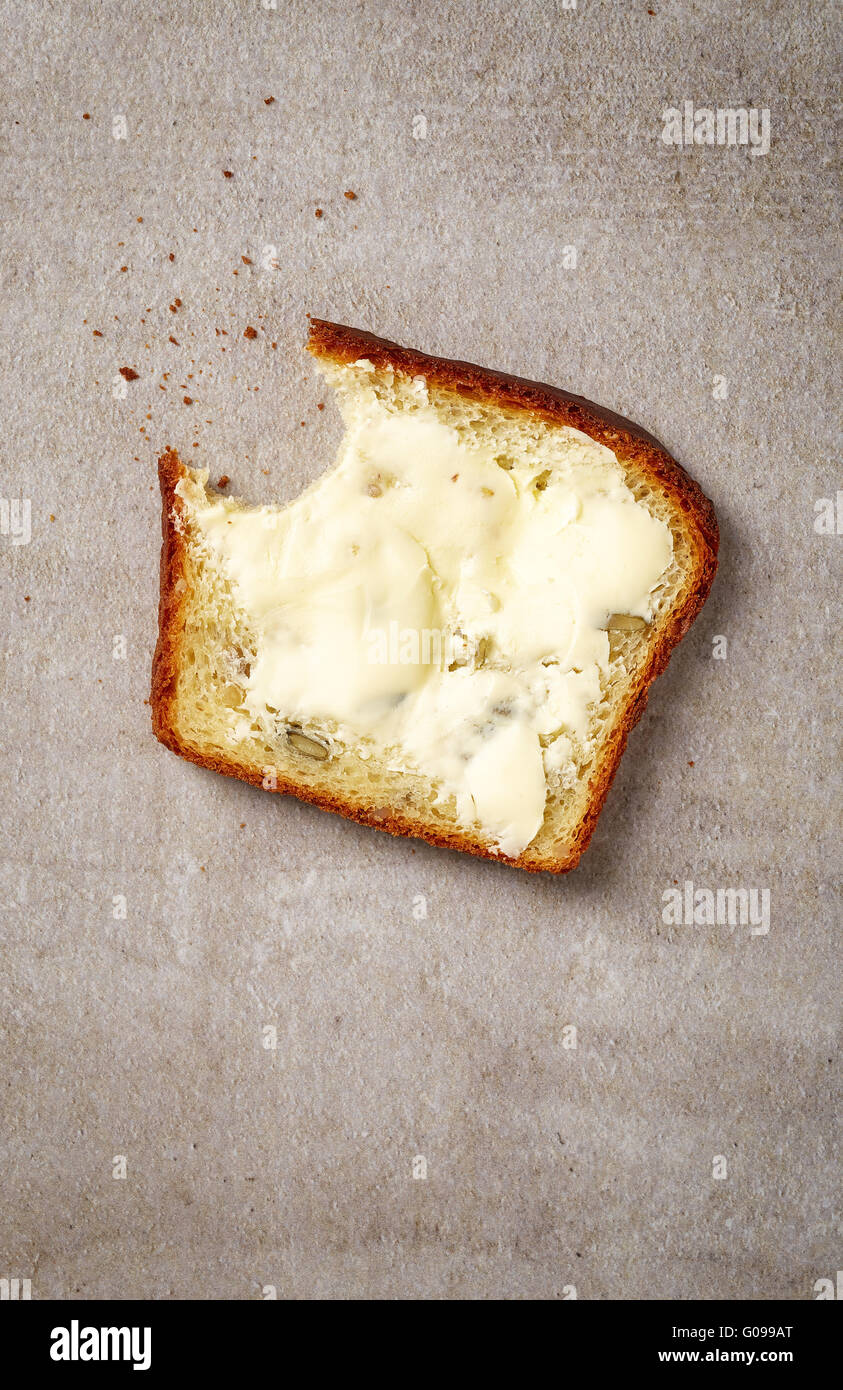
504, 747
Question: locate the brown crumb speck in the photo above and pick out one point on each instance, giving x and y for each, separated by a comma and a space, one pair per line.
224, 481
96, 333
86, 115
250, 332
245, 260
691, 764
124, 267
321, 405
350, 195
267, 101
227, 174
172, 255
174, 340
128, 373
188, 400
318, 212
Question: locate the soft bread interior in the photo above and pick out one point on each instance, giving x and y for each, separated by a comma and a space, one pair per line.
220, 643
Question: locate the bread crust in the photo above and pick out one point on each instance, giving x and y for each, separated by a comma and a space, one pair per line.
341, 345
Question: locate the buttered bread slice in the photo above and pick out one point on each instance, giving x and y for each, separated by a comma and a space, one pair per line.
449, 634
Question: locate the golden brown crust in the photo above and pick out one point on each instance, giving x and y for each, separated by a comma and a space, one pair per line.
339, 343
165, 672
173, 596
342, 345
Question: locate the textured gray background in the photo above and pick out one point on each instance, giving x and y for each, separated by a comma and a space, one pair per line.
547, 1166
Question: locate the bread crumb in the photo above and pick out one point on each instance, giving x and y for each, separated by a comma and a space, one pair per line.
86, 115
267, 101
318, 212
224, 481
128, 373
26, 598
172, 255
250, 332
227, 174
245, 260
321, 405
348, 194
690, 764
175, 340
97, 333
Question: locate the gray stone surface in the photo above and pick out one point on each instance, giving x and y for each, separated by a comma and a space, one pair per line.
548, 1166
